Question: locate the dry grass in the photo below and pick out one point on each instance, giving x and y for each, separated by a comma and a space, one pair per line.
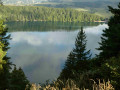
70, 85
102, 86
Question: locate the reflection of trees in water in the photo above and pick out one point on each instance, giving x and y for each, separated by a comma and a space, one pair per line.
46, 26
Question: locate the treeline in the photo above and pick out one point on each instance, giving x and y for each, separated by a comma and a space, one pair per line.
38, 13
86, 71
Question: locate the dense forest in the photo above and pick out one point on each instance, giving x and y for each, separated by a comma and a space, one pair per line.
37, 13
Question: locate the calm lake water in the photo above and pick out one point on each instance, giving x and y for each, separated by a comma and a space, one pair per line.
41, 48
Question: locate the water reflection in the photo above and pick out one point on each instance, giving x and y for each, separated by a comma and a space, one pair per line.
47, 26
42, 54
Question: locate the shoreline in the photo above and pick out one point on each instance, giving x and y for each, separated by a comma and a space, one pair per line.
58, 21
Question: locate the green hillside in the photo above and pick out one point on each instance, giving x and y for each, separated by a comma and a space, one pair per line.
97, 7
37, 13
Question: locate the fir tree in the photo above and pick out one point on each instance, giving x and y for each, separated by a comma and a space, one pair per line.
110, 49
18, 79
69, 67
5, 74
77, 61
9, 80
80, 52
110, 40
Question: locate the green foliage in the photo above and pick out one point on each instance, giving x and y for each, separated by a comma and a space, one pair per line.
79, 66
110, 40
69, 67
5, 74
109, 56
2, 54
80, 52
111, 70
18, 79
105, 66
97, 7
77, 61
37, 13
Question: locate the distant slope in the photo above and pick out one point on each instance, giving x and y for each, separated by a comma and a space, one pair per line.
94, 6
37, 13
58, 1
98, 7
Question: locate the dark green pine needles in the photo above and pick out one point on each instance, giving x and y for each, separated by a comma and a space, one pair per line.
110, 40
77, 59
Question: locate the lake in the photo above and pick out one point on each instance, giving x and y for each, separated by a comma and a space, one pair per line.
41, 48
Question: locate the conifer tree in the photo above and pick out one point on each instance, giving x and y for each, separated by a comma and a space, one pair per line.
69, 67
80, 52
110, 49
77, 59
110, 40
9, 80
5, 74
18, 79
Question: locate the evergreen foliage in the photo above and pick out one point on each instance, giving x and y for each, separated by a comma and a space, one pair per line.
108, 58
2, 54
79, 66
80, 52
38, 13
77, 61
69, 67
18, 79
5, 74
105, 66
110, 40
111, 70
9, 80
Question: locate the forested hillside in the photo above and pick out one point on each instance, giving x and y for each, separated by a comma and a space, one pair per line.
98, 7
37, 13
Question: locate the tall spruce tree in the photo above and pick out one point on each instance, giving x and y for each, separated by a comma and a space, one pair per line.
110, 49
110, 40
80, 52
5, 74
77, 59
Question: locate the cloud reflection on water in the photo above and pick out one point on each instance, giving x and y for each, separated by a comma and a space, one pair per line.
42, 54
